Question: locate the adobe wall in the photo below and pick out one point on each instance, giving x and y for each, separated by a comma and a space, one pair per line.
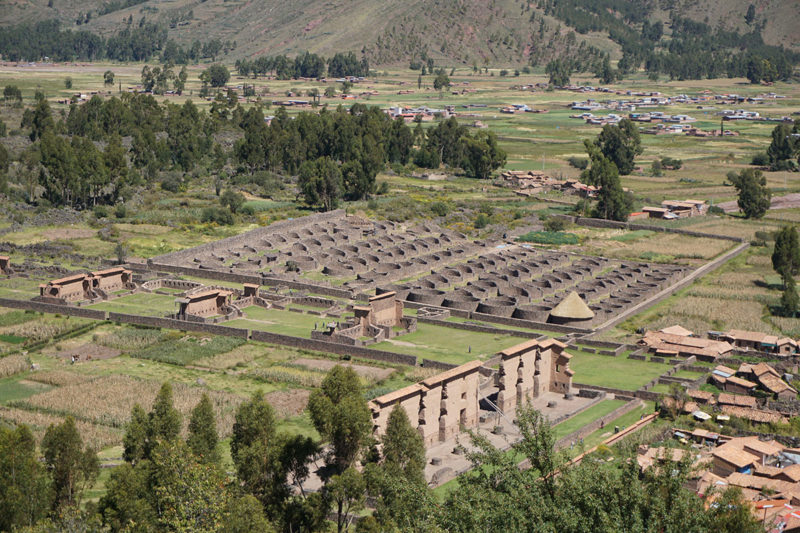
476, 328
248, 237
182, 325
529, 374
439, 407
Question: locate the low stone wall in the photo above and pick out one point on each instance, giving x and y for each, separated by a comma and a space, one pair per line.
604, 389
213, 329
477, 328
430, 363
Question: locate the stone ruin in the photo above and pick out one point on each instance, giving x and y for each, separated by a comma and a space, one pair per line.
445, 404
206, 303
530, 369
5, 265
448, 270
381, 319
92, 286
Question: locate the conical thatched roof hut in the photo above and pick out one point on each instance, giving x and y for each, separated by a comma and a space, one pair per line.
572, 309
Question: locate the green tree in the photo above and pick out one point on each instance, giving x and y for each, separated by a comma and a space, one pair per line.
621, 144
127, 504
786, 253
403, 447
612, 202
783, 148
753, 195
245, 515
134, 443
233, 200
320, 182
216, 75
606, 74
789, 299
441, 81
346, 492
256, 453
41, 119
68, 83
731, 512
73, 467
340, 414
189, 496
25, 491
164, 421
108, 78
203, 439
750, 16
59, 178
482, 155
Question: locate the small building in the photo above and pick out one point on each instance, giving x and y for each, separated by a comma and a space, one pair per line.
207, 303
111, 279
738, 385
730, 459
736, 400
69, 289
571, 311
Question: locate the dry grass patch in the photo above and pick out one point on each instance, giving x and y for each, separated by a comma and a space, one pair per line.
290, 402
59, 378
108, 400
94, 435
239, 356
372, 373
13, 364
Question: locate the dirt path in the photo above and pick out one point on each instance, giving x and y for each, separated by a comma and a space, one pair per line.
778, 202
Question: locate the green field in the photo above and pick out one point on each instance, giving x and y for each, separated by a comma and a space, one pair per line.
584, 417
448, 345
141, 303
278, 321
615, 372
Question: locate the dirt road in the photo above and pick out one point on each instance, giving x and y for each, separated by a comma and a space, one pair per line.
778, 202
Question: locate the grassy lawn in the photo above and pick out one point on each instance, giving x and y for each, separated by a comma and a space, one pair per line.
585, 417
277, 321
687, 374
16, 388
448, 345
142, 303
616, 372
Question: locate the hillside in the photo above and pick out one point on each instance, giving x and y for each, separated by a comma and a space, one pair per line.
475, 32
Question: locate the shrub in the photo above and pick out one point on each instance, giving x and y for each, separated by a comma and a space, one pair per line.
171, 183
716, 210
440, 209
481, 221
120, 211
581, 163
100, 211
549, 237
669, 162
553, 224
223, 217
761, 159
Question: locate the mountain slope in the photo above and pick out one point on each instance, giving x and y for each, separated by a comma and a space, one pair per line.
470, 32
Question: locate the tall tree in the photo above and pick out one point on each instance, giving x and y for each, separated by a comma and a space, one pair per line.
621, 144
786, 253
25, 490
783, 147
340, 414
72, 466
134, 442
612, 202
320, 182
203, 439
256, 452
403, 447
164, 421
346, 492
753, 194
789, 299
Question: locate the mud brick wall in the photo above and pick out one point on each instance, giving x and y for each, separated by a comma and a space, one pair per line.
248, 237
601, 223
44, 307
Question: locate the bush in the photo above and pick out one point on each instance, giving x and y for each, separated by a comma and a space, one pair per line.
549, 237
223, 217
766, 236
669, 162
120, 211
481, 221
716, 210
761, 159
553, 224
100, 211
171, 183
581, 163
440, 209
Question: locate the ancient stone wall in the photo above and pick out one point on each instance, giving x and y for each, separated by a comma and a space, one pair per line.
530, 370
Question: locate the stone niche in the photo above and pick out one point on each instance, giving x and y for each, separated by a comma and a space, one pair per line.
531, 369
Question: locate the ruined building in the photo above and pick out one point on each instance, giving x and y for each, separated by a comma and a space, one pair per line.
442, 405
